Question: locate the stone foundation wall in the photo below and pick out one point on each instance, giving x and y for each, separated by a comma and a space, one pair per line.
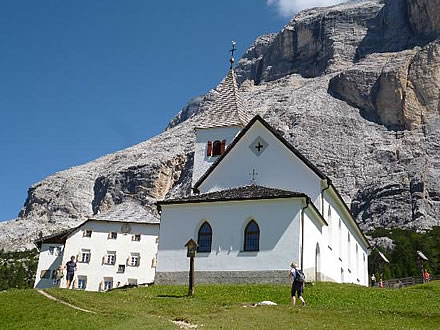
225, 277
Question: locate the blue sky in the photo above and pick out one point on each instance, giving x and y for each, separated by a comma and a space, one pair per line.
80, 79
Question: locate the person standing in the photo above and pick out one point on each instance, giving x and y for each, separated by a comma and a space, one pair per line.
59, 274
373, 280
297, 278
71, 268
425, 276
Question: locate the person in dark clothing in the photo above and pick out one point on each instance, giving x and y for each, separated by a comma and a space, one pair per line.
297, 284
71, 268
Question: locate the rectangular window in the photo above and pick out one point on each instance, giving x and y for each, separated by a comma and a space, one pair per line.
85, 256
134, 259
121, 269
111, 258
82, 282
87, 233
108, 283
132, 281
113, 235
59, 250
51, 250
136, 237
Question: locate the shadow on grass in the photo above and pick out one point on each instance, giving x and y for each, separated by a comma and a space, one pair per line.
172, 296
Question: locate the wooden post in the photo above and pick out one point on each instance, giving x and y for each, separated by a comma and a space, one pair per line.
191, 246
191, 277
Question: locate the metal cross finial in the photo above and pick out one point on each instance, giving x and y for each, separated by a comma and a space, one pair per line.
233, 49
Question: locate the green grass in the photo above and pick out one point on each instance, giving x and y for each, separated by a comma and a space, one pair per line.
330, 306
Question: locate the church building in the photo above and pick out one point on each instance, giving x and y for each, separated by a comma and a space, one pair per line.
257, 205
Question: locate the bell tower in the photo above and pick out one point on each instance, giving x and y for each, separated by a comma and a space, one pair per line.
224, 120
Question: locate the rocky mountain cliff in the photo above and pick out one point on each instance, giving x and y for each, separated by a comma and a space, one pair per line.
355, 87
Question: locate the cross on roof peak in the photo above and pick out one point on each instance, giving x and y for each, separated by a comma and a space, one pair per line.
233, 49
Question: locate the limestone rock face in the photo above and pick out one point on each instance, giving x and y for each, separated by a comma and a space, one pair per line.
424, 17
354, 87
399, 89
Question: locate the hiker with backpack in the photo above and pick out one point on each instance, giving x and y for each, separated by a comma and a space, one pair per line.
297, 278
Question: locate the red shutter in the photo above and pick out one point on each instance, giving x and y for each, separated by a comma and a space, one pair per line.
209, 148
222, 148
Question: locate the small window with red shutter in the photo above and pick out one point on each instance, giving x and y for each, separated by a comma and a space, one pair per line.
209, 151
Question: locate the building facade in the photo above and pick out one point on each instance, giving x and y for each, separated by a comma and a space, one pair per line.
114, 249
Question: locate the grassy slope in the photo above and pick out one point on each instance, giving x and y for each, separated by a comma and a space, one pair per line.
330, 306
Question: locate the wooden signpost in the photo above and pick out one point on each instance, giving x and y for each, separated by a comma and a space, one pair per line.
191, 246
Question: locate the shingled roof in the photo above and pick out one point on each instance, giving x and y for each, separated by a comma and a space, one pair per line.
239, 193
128, 211
226, 107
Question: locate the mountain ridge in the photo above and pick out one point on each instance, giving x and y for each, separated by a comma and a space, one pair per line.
366, 112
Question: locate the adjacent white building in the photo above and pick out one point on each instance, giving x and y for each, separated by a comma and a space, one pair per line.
258, 205
113, 249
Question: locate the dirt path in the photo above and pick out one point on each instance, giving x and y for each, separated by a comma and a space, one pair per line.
63, 302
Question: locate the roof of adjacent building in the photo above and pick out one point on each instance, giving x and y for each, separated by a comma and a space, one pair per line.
239, 193
128, 211
227, 107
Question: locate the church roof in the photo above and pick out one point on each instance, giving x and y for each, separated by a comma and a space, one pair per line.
239, 193
309, 164
226, 106
128, 211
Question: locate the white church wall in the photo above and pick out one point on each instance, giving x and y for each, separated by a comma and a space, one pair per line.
276, 167
278, 220
124, 247
51, 255
313, 238
201, 160
342, 251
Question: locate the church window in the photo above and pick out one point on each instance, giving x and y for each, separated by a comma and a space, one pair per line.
204, 238
329, 219
348, 250
252, 237
340, 238
216, 148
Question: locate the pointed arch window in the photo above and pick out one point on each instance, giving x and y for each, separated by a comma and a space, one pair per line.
252, 237
204, 238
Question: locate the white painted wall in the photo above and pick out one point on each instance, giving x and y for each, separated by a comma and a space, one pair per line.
338, 249
48, 261
277, 167
201, 161
278, 219
99, 244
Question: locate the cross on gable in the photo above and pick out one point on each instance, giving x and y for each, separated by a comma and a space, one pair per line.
259, 146
253, 174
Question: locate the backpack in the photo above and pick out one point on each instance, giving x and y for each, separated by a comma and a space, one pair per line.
299, 276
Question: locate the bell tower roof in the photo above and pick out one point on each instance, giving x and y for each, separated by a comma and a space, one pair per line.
226, 107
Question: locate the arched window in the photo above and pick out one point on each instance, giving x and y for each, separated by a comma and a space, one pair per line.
329, 220
204, 238
216, 148
340, 238
252, 237
348, 250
